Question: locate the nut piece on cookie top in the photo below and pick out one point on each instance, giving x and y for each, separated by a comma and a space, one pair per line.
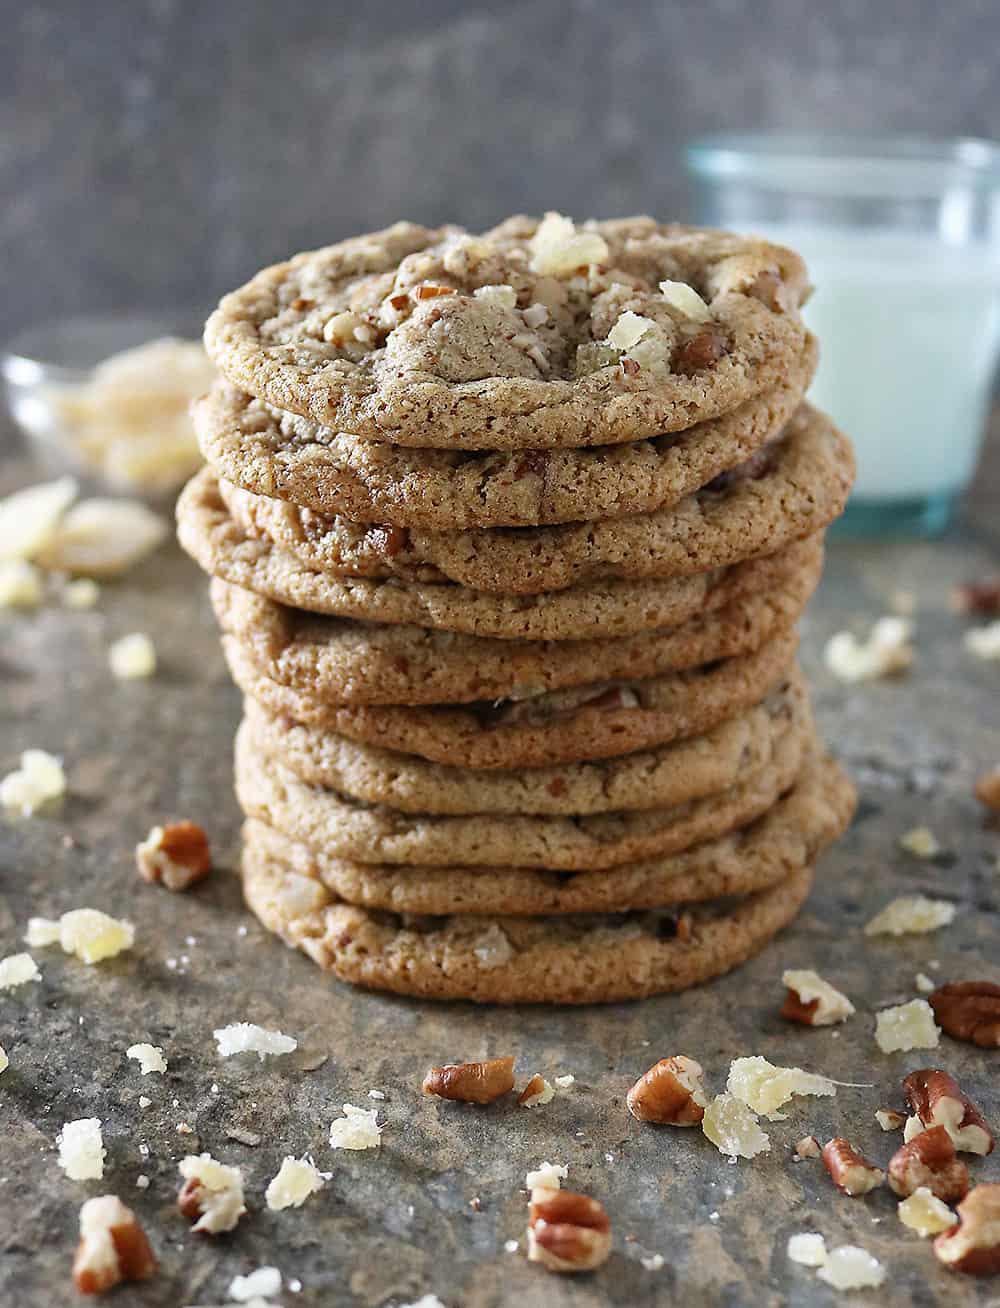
535, 334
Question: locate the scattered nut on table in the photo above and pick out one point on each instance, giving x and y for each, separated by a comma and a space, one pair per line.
973, 1246
472, 1083
936, 1099
177, 855
969, 1010
851, 1172
929, 1160
671, 1092
567, 1232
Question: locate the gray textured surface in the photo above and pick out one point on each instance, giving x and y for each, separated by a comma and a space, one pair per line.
157, 152
394, 1224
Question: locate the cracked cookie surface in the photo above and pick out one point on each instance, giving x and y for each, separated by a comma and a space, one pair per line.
585, 336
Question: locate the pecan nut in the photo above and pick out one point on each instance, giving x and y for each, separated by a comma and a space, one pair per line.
537, 1091
176, 854
567, 1232
472, 1083
700, 351
807, 1147
113, 1247
929, 1160
889, 1120
973, 1246
988, 789
670, 1092
936, 1099
849, 1170
980, 596
812, 1001
969, 1010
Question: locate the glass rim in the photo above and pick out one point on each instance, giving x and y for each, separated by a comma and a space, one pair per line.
37, 352
844, 163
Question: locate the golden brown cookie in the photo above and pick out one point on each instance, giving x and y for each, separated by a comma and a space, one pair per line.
339, 827
365, 663
792, 490
591, 722
583, 959
283, 457
600, 609
671, 774
789, 837
613, 332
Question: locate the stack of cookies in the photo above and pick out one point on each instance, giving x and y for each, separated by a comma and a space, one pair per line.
509, 535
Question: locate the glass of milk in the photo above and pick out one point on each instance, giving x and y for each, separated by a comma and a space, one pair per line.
902, 240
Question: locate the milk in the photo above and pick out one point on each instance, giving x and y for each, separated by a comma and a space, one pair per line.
909, 330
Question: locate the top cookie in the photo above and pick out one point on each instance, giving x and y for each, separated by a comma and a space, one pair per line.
534, 335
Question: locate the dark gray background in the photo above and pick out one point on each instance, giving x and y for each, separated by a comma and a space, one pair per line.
156, 152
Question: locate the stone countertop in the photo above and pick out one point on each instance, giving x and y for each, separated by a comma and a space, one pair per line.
431, 1211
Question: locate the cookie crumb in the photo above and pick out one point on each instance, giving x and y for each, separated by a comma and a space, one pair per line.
984, 642
921, 842
358, 1129
247, 1037
39, 779
808, 1248
886, 653
81, 1149
20, 585
911, 915
906, 1026
17, 970
149, 1057
132, 657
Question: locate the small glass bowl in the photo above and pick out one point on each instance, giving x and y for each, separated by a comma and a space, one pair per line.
48, 369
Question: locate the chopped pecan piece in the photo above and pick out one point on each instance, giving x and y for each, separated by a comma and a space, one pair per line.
537, 1091
113, 1247
969, 1010
929, 1160
472, 1083
767, 287
532, 463
567, 1232
850, 1171
700, 351
429, 292
973, 1246
889, 1120
670, 1092
988, 790
981, 596
936, 1099
389, 541
177, 855
813, 1001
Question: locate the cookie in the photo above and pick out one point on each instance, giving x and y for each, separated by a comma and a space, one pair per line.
584, 959
363, 663
571, 341
789, 837
343, 828
599, 609
799, 487
605, 720
288, 458
672, 774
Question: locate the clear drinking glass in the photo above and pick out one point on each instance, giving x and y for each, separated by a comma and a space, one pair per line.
902, 239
